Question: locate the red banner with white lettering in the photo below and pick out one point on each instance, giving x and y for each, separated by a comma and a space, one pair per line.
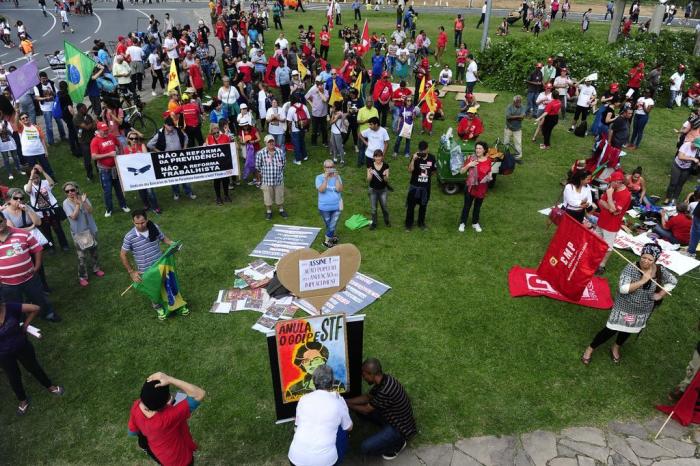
525, 282
572, 258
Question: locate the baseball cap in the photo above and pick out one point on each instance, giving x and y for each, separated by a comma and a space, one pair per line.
473, 109
242, 106
102, 126
616, 176
319, 79
614, 87
294, 72
120, 37
269, 138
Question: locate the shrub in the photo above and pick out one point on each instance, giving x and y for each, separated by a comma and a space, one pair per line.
510, 61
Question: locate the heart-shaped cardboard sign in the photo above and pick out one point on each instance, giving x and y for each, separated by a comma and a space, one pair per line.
315, 276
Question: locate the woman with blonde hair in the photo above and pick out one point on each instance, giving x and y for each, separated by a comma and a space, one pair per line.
83, 228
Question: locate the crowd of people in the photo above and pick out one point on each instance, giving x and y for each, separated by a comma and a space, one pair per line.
269, 102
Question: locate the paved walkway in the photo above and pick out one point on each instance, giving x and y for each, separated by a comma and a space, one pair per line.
619, 444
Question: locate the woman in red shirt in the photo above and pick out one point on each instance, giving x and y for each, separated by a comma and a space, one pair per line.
220, 31
325, 38
549, 118
311, 36
196, 81
461, 63
441, 44
478, 169
135, 145
217, 137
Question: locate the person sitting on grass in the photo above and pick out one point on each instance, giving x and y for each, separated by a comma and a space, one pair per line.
160, 422
387, 405
676, 228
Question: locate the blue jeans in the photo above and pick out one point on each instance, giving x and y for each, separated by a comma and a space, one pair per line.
41, 159
299, 145
694, 235
672, 98
279, 141
48, 121
666, 234
107, 184
149, 199
640, 121
330, 218
386, 441
185, 187
531, 103
397, 145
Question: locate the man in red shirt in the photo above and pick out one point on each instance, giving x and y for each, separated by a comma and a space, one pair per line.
121, 47
192, 116
161, 422
103, 148
20, 259
383, 92
471, 126
675, 229
613, 205
397, 97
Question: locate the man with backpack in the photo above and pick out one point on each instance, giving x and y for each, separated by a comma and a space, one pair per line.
317, 96
171, 138
299, 117
45, 94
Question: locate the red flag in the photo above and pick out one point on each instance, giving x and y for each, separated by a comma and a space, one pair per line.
364, 41
272, 65
572, 258
685, 410
525, 282
329, 15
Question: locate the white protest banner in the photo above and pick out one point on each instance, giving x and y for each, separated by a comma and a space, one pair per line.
672, 260
153, 169
319, 273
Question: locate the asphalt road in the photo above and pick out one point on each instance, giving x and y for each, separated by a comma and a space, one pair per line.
107, 23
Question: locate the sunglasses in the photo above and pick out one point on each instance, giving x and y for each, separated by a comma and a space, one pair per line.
17, 198
133, 139
24, 118
69, 190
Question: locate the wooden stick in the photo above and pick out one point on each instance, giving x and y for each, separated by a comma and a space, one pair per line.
664, 425
124, 292
635, 266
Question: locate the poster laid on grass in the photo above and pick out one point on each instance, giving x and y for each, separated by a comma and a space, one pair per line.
153, 169
672, 260
359, 293
282, 239
305, 344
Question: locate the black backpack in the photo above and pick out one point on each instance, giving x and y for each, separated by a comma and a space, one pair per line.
580, 129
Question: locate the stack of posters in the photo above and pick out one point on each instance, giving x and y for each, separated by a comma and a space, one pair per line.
282, 239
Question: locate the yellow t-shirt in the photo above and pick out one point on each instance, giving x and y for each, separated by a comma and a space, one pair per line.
365, 114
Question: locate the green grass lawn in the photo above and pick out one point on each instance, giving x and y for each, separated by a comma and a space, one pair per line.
473, 360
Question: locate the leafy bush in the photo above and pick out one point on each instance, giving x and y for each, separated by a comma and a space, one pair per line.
511, 60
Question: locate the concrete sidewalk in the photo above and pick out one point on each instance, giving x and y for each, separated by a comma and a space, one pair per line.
621, 443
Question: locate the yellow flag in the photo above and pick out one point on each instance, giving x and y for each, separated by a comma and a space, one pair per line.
173, 77
431, 99
421, 88
358, 82
301, 68
336, 96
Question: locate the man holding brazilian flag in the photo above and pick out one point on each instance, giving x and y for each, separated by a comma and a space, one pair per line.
78, 71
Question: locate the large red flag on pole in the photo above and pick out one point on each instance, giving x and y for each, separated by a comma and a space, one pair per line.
364, 41
572, 258
269, 78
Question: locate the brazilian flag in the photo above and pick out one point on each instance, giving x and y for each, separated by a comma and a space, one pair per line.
159, 282
78, 71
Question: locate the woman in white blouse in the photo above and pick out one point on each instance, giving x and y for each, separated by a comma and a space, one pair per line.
577, 195
276, 122
322, 418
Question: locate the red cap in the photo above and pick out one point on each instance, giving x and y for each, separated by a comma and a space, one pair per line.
120, 37
102, 126
615, 176
539, 65
614, 87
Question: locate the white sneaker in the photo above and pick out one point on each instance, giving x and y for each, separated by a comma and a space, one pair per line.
126, 209
108, 213
153, 93
10, 177
297, 162
477, 227
176, 197
193, 196
461, 227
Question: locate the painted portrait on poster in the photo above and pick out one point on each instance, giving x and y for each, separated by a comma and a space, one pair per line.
305, 344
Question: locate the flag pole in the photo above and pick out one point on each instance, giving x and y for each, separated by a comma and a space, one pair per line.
124, 292
635, 266
664, 425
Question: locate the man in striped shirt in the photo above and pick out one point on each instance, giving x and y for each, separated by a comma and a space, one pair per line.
143, 242
20, 259
388, 406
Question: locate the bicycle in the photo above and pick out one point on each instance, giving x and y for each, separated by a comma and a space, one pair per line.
140, 122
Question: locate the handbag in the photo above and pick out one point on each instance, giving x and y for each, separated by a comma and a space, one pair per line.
84, 240
556, 213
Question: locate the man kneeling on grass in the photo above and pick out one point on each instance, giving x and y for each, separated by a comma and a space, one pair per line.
160, 422
388, 406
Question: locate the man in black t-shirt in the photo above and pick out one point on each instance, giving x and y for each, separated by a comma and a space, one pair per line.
387, 405
620, 128
421, 167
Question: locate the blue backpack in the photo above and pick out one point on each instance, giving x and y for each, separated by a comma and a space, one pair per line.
56, 109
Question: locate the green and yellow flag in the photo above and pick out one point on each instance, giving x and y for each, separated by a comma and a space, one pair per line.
160, 284
78, 71
173, 77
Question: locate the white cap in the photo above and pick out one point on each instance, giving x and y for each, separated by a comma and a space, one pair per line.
242, 106
295, 72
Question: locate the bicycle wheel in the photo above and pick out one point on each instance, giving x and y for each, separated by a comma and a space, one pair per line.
144, 125
212, 51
